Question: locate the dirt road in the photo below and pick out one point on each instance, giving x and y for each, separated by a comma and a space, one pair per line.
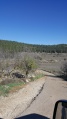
37, 97
53, 90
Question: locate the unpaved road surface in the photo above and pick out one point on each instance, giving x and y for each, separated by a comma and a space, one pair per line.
17, 102
53, 90
36, 97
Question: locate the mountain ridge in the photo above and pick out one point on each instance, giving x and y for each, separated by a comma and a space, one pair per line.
14, 46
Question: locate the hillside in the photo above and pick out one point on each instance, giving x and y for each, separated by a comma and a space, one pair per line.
13, 46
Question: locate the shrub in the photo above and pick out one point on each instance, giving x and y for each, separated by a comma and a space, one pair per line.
64, 69
64, 58
29, 65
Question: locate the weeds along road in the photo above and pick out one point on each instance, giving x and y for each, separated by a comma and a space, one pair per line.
53, 90
36, 97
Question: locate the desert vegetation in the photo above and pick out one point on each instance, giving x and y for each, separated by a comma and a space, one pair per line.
17, 71
19, 62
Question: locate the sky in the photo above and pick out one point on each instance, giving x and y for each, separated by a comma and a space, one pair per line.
34, 21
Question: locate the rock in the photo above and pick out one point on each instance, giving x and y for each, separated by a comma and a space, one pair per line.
18, 75
27, 80
31, 76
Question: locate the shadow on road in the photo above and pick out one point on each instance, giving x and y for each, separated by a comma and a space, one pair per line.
61, 77
33, 116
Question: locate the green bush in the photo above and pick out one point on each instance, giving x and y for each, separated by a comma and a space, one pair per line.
29, 64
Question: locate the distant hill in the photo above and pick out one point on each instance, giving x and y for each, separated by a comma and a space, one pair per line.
13, 46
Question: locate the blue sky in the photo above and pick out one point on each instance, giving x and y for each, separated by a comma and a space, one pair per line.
34, 21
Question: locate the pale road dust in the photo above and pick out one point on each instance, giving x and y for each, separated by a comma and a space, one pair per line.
46, 91
54, 89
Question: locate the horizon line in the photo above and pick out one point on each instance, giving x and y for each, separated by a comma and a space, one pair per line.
32, 43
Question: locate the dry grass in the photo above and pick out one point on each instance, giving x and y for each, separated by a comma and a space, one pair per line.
16, 88
50, 62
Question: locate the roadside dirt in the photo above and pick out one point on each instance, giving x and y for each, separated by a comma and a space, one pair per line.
37, 97
16, 103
